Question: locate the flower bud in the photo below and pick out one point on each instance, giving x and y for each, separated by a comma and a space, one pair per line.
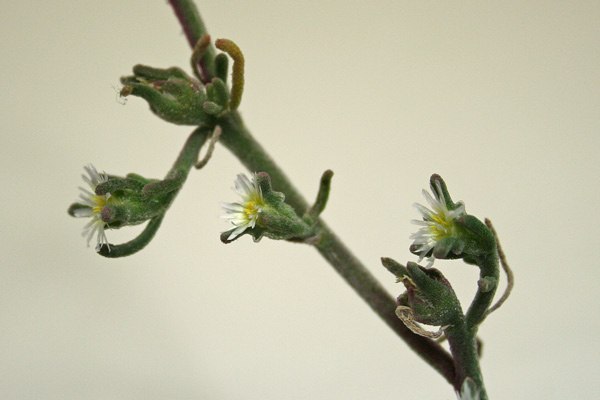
115, 202
428, 294
263, 212
177, 97
447, 231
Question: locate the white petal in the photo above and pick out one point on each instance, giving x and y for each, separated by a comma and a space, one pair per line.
243, 186
425, 212
236, 232
235, 207
433, 203
95, 225
83, 212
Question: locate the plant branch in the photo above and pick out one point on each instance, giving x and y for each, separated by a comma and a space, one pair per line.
510, 277
463, 346
488, 283
170, 185
239, 141
193, 27
252, 155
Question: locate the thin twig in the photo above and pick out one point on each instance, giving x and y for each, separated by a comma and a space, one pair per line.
199, 50
189, 18
509, 274
239, 141
211, 147
407, 316
237, 73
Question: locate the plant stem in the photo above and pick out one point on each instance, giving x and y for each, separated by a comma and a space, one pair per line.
194, 28
489, 268
239, 141
462, 334
177, 174
463, 346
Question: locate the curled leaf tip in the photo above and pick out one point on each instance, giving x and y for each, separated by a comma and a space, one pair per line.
237, 75
126, 91
198, 53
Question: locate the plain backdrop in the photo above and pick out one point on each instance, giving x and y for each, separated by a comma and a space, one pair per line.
500, 98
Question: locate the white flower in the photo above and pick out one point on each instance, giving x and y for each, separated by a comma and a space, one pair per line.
468, 391
94, 205
244, 214
438, 223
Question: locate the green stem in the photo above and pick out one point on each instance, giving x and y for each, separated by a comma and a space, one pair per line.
384, 305
239, 141
181, 168
136, 244
463, 345
462, 335
488, 283
253, 156
193, 26
189, 153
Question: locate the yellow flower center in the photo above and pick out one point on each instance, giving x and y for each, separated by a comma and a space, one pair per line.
251, 209
100, 203
442, 226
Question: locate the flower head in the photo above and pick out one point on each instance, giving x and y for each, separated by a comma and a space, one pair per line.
115, 202
264, 212
245, 214
92, 206
438, 223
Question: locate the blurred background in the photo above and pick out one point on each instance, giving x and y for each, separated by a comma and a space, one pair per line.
500, 98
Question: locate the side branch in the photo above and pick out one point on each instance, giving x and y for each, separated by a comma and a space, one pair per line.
509, 274
384, 305
239, 141
193, 27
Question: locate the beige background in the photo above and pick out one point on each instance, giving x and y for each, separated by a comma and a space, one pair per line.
501, 98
